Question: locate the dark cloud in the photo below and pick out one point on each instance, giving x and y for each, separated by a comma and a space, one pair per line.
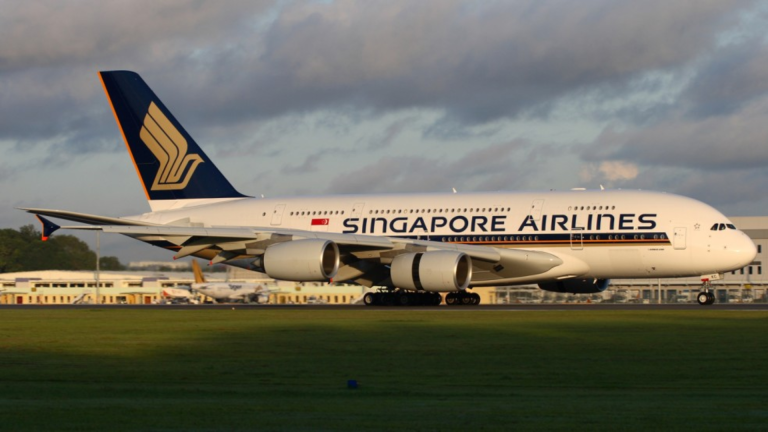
48, 33
230, 63
729, 142
729, 79
496, 167
477, 64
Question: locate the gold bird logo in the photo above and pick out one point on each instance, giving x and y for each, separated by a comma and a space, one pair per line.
170, 149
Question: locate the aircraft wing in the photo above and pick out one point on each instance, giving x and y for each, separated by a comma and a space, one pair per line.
84, 217
365, 259
246, 242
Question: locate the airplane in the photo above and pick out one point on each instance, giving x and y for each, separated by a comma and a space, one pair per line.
182, 294
413, 247
227, 291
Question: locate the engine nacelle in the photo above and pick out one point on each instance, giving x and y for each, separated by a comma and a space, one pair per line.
302, 260
439, 271
576, 286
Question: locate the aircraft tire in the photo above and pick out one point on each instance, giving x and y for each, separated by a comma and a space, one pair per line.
369, 299
404, 299
703, 298
451, 299
388, 299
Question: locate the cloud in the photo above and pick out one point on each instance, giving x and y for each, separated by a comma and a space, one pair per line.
391, 132
50, 34
236, 63
728, 80
480, 169
733, 141
479, 63
610, 170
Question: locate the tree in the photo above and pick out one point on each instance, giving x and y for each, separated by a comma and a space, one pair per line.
110, 263
24, 250
11, 247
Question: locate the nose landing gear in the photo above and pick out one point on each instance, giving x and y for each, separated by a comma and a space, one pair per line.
707, 296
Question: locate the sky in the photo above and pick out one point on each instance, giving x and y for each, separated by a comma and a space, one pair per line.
295, 98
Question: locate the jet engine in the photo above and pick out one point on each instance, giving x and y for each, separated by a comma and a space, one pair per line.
439, 271
301, 260
576, 286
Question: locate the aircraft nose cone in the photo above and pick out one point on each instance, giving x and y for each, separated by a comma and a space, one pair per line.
742, 251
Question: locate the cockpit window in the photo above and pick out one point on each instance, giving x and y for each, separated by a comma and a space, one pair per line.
722, 227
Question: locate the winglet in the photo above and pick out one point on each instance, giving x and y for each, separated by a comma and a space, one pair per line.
48, 227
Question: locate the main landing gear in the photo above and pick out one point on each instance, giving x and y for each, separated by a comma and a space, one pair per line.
402, 298
707, 296
421, 298
462, 298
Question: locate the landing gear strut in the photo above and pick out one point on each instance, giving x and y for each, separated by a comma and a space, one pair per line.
707, 295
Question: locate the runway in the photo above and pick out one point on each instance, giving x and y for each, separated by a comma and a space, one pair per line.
442, 308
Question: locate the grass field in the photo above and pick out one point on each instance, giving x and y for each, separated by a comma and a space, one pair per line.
277, 369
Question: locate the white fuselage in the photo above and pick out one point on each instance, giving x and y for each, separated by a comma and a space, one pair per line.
598, 234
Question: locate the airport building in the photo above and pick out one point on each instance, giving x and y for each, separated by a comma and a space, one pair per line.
745, 285
128, 287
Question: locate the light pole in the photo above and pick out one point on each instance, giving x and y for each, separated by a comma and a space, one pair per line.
98, 258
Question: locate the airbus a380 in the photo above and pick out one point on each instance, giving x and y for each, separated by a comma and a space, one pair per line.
415, 246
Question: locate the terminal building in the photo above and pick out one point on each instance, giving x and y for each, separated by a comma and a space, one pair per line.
745, 285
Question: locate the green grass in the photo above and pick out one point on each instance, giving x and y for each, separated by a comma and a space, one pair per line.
277, 369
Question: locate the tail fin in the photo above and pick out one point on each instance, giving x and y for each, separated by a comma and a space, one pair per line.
199, 278
170, 164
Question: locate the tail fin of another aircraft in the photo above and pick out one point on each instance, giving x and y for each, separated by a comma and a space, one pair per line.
199, 278
170, 164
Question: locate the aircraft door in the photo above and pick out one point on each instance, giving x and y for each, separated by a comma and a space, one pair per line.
536, 208
357, 209
679, 240
277, 214
577, 239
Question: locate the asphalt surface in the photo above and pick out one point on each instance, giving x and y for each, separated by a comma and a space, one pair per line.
441, 308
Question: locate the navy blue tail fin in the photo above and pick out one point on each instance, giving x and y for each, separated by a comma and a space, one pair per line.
170, 164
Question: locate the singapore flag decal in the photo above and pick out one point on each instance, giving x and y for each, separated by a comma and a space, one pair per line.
320, 222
